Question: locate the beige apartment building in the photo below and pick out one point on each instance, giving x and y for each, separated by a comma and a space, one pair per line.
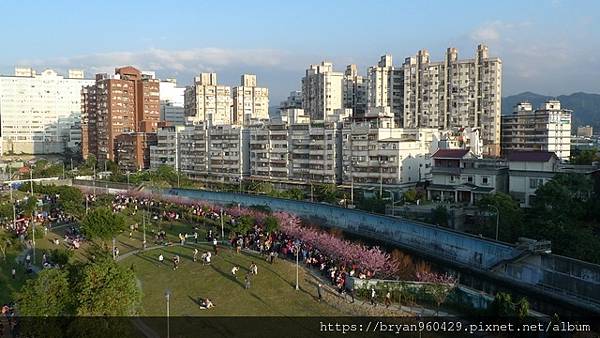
355, 91
385, 84
206, 100
249, 101
322, 91
545, 129
455, 93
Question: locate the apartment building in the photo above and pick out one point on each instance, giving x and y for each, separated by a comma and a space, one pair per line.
208, 101
322, 91
172, 102
294, 101
132, 150
193, 150
228, 151
585, 131
249, 101
385, 87
39, 112
545, 129
355, 91
269, 151
124, 103
377, 154
455, 93
202, 151
167, 149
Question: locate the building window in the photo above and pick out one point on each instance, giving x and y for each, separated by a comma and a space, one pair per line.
470, 179
485, 180
535, 183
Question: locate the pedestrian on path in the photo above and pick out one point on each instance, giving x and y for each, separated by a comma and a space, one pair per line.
319, 292
388, 299
195, 254
373, 295
196, 237
247, 281
215, 245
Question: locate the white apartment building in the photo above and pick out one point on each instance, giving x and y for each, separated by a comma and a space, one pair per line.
205, 100
228, 150
167, 150
545, 129
375, 153
455, 93
172, 102
39, 113
355, 91
269, 151
201, 151
385, 87
322, 91
249, 101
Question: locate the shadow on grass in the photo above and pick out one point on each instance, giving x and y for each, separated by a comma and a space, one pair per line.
228, 276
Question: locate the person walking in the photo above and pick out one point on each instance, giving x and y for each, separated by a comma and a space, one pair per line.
320, 292
234, 270
388, 299
247, 281
14, 273
195, 254
373, 295
196, 237
215, 245
253, 269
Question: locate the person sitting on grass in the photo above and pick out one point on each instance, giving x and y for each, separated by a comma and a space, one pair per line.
206, 304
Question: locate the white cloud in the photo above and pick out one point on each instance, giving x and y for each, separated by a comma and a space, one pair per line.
190, 60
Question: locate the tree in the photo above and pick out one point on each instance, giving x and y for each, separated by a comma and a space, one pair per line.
105, 288
48, 295
440, 216
6, 241
522, 308
502, 305
510, 217
271, 224
411, 195
102, 223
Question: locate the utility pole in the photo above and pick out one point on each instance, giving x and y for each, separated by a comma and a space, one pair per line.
312, 195
352, 189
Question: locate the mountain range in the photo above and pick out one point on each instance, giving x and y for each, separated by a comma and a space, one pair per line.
585, 106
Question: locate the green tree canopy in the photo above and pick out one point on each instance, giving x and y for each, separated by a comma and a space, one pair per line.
510, 217
48, 295
102, 223
105, 288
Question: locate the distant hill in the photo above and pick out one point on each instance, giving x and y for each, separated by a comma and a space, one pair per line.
585, 107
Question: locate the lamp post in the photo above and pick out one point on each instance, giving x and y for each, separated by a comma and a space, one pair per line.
297, 249
222, 225
168, 298
497, 218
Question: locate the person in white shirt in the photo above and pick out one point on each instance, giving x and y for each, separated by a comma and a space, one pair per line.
234, 270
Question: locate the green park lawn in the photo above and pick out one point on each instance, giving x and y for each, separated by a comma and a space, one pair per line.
272, 291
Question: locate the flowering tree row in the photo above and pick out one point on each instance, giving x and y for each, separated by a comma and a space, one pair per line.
344, 252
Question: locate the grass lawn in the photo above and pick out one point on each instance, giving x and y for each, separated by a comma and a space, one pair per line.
272, 291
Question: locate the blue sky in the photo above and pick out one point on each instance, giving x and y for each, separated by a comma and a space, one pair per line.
550, 47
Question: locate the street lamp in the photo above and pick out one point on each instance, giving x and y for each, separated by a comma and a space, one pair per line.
168, 298
497, 217
222, 226
297, 249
